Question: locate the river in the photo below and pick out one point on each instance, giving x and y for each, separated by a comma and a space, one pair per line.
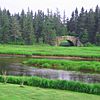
14, 66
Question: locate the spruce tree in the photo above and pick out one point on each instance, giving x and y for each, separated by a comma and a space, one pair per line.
28, 28
15, 35
5, 27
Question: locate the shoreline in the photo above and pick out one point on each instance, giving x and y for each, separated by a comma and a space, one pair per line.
52, 57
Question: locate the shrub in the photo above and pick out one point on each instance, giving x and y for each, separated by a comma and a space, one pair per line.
46, 65
88, 44
56, 84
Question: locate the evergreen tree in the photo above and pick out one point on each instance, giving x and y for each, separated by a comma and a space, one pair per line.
64, 25
81, 23
28, 28
15, 35
57, 23
76, 21
64, 18
22, 22
49, 31
91, 26
97, 25
5, 27
38, 25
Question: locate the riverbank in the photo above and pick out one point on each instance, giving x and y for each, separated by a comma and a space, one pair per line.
51, 57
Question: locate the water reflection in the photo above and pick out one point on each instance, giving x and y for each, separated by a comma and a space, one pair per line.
13, 66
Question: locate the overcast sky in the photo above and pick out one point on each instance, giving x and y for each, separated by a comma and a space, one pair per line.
67, 5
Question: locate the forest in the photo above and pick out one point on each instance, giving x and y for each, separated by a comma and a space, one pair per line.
37, 27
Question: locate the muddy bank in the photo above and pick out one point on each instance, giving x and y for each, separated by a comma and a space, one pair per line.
11, 55
52, 57
67, 58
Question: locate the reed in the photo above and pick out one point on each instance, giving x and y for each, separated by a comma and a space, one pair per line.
55, 84
86, 66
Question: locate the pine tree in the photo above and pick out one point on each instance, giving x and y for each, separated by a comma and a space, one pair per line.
49, 31
38, 25
91, 26
15, 35
97, 25
28, 28
81, 23
5, 27
22, 25
76, 21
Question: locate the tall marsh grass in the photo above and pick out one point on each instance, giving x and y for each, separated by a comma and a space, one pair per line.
86, 66
55, 84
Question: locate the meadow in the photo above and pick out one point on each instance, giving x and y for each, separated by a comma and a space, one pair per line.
50, 50
35, 93
54, 89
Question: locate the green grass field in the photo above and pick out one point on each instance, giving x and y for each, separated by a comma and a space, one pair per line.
15, 92
50, 50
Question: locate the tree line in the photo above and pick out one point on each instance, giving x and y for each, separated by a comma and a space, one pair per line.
85, 25
30, 28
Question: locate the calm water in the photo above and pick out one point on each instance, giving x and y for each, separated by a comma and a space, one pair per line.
13, 66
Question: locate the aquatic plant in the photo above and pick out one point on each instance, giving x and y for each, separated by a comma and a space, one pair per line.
56, 84
86, 66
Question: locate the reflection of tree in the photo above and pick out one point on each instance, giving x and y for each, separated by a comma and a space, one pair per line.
78, 77
46, 73
4, 67
4, 75
22, 74
85, 78
21, 70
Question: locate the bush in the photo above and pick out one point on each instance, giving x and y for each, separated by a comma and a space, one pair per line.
88, 44
46, 65
56, 84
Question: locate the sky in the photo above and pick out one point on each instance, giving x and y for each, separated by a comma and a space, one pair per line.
16, 6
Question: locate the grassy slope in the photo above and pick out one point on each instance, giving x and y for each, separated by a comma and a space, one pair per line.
48, 50
14, 92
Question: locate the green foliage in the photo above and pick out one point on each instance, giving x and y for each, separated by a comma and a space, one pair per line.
87, 66
26, 29
45, 65
98, 38
15, 34
88, 44
29, 28
56, 84
85, 25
